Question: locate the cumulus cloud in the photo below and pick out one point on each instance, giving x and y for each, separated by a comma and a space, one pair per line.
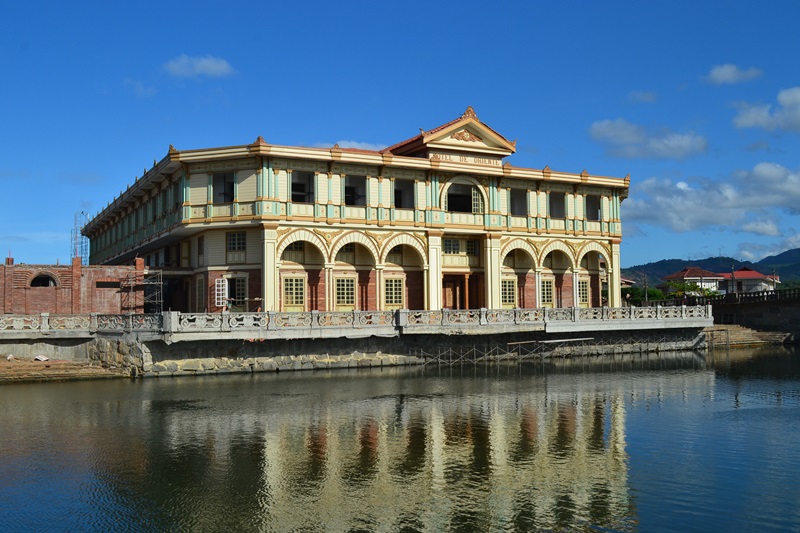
731, 74
624, 139
755, 251
784, 116
352, 144
647, 97
185, 66
749, 201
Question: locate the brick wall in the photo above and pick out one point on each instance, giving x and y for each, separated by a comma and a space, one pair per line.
526, 284
74, 289
564, 288
415, 290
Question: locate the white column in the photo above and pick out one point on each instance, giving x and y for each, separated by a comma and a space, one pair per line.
434, 271
575, 301
269, 268
379, 288
614, 281
330, 292
491, 269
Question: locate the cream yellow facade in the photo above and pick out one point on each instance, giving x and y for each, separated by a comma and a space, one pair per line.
441, 220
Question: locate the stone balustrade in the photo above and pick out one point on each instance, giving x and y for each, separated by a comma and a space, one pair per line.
173, 326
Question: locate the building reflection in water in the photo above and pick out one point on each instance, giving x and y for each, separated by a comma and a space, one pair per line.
472, 448
527, 454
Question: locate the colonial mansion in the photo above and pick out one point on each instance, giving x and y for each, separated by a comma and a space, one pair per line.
439, 221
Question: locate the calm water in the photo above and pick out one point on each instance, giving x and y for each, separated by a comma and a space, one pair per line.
669, 443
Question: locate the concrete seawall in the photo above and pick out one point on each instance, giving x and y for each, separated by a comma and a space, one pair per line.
155, 358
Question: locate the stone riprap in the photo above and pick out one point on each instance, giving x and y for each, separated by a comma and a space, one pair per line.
226, 365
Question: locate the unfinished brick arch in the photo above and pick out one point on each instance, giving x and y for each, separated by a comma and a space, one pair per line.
43, 278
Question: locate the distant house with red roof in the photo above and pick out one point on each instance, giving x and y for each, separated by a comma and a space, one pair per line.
747, 280
705, 279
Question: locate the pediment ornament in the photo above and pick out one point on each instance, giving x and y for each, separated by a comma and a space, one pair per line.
328, 235
466, 136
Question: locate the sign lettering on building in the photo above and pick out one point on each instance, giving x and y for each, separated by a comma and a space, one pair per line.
469, 159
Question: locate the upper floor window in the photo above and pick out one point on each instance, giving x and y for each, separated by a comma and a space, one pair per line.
593, 207
347, 254
355, 190
295, 252
222, 185
302, 187
519, 202
558, 205
462, 198
395, 255
451, 246
404, 194
236, 246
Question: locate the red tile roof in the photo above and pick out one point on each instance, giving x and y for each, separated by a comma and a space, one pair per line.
747, 273
693, 273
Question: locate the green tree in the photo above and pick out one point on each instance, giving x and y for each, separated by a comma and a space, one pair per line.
635, 295
679, 289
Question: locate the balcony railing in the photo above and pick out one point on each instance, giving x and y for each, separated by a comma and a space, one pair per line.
185, 326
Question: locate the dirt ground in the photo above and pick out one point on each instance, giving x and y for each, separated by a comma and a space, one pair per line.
29, 370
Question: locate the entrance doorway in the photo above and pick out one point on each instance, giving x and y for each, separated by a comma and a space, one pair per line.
462, 291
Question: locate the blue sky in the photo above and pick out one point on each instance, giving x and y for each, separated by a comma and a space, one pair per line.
698, 101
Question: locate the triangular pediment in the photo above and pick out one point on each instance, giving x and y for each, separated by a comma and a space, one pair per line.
466, 135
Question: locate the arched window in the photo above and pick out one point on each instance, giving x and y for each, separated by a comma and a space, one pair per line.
44, 280
464, 198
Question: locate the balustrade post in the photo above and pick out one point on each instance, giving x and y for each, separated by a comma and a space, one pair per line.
271, 325
45, 323
93, 321
658, 312
355, 319
633, 312
314, 318
483, 320
575, 314
683, 311
172, 321
401, 318
709, 311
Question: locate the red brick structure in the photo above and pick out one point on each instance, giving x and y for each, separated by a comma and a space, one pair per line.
71, 289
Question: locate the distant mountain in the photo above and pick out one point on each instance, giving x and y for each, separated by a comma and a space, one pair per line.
786, 265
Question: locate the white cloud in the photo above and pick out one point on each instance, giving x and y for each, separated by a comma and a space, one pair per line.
730, 74
749, 201
762, 227
352, 144
755, 251
642, 96
785, 116
140, 89
185, 66
624, 139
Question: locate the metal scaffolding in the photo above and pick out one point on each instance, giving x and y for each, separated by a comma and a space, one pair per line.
143, 289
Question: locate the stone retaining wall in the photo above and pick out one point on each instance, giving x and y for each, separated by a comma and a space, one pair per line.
226, 365
152, 358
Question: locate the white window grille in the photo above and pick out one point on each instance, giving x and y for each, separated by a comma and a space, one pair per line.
220, 292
